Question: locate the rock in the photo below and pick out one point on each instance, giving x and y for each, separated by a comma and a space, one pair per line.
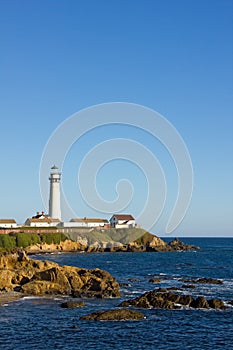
6, 279
65, 246
189, 286
163, 299
230, 302
124, 284
208, 281
54, 275
182, 279
133, 279
148, 240
157, 242
161, 290
114, 315
185, 300
72, 304
154, 299
200, 303
96, 283
42, 288
177, 245
34, 277
134, 248
216, 304
154, 280
202, 280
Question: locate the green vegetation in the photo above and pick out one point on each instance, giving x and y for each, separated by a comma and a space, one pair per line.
50, 238
7, 242
146, 238
25, 239
112, 235
124, 235
22, 239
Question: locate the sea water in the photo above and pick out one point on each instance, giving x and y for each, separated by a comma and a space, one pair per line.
41, 323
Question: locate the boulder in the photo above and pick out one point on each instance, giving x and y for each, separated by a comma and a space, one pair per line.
154, 299
34, 277
216, 304
164, 299
208, 281
124, 284
54, 275
176, 244
133, 279
42, 288
200, 303
154, 280
72, 304
185, 300
188, 286
202, 280
114, 315
6, 279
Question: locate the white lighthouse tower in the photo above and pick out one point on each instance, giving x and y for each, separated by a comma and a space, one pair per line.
54, 198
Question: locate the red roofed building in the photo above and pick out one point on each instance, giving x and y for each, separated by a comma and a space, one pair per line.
122, 221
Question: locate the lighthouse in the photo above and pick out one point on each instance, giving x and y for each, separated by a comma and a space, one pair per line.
54, 198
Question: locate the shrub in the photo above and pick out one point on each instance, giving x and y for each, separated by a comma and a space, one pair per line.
55, 238
7, 242
26, 239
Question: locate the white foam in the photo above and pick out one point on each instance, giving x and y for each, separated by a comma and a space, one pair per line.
30, 298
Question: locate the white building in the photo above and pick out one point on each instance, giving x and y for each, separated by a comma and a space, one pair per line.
41, 220
122, 221
85, 222
8, 223
54, 198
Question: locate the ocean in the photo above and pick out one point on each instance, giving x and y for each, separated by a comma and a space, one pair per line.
41, 323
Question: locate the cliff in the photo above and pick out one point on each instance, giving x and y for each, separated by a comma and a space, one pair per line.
129, 239
92, 240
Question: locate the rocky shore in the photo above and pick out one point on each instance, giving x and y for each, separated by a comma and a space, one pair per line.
167, 299
21, 276
25, 276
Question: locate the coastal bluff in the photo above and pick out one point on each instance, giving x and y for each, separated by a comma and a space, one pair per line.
19, 273
110, 240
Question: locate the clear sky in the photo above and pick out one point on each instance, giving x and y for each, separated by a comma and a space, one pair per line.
58, 57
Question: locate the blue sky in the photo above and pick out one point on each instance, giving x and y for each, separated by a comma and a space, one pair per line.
58, 57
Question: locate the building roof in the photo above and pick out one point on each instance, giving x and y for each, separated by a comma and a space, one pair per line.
7, 221
125, 217
48, 220
42, 218
89, 220
55, 220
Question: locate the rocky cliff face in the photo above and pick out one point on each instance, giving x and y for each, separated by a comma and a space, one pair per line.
107, 241
33, 277
66, 246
